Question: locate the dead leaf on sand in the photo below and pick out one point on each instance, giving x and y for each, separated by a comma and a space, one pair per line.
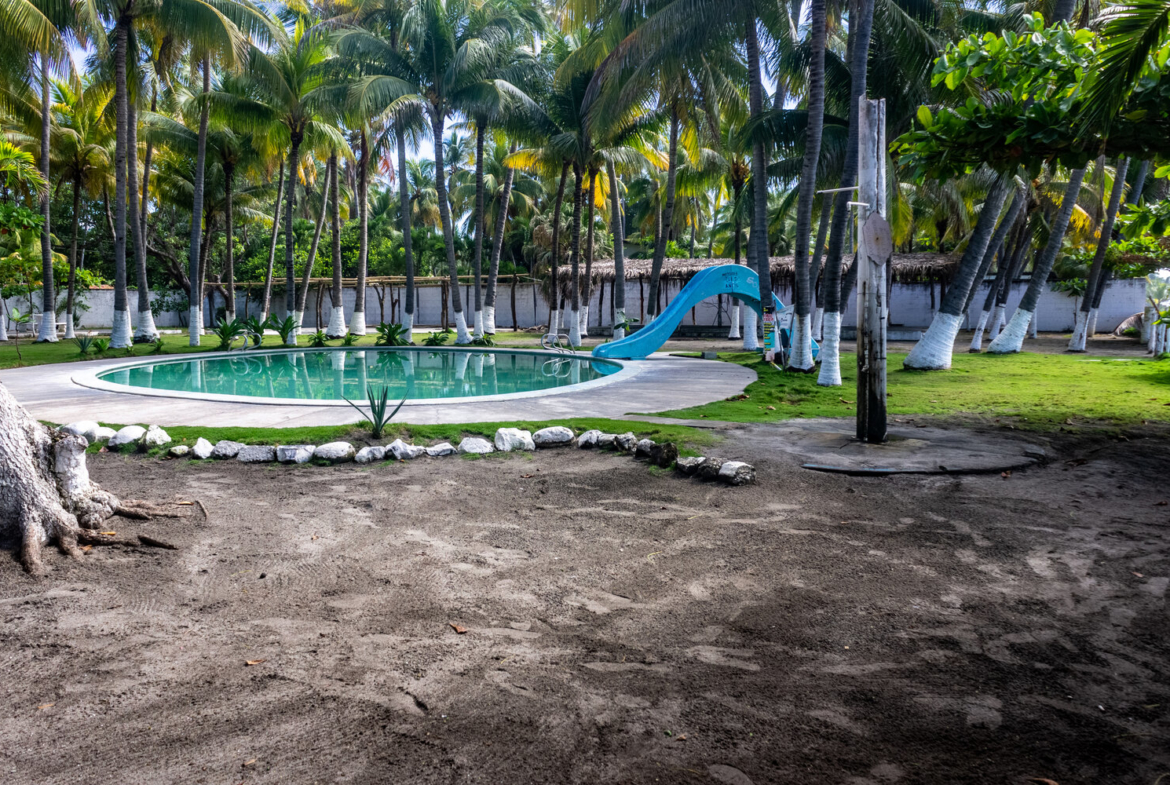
1006, 474
1043, 781
46, 706
458, 630
249, 762
253, 662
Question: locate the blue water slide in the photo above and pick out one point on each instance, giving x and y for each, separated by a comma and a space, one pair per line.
735, 280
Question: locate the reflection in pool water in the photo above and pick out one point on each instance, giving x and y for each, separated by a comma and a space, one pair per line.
334, 374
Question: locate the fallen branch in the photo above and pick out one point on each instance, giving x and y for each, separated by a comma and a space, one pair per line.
153, 543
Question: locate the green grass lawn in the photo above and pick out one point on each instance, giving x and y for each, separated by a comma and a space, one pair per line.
1037, 389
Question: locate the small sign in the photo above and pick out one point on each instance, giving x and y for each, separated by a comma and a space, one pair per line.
877, 239
769, 333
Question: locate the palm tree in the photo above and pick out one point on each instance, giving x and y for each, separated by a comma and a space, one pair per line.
80, 157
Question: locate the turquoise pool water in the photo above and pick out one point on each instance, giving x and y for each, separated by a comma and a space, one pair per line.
336, 374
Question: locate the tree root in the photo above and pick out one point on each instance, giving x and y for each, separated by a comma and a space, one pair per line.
143, 510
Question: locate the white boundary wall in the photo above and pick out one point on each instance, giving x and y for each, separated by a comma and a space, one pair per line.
910, 306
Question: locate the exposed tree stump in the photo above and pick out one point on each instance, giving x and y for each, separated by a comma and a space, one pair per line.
45, 492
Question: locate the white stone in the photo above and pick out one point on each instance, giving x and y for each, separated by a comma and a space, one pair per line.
626, 442
553, 436
335, 452
202, 449
439, 450
588, 439
513, 439
370, 455
607, 441
473, 445
178, 451
155, 437
84, 428
737, 473
131, 434
294, 453
103, 434
688, 465
258, 453
642, 448
401, 451
226, 448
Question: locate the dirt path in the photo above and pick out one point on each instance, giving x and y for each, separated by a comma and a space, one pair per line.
622, 627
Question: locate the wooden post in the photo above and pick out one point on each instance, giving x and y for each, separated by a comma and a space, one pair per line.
515, 321
873, 255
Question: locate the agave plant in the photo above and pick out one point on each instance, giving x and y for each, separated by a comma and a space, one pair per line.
84, 344
392, 335
101, 345
349, 340
285, 329
254, 328
379, 399
159, 346
318, 339
483, 340
228, 331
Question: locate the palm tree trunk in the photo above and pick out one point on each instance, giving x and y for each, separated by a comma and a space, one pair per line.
120, 333
146, 330
47, 330
229, 260
146, 169
553, 319
72, 286
737, 244
461, 335
1011, 340
404, 209
859, 37
1097, 271
575, 261
619, 254
587, 294
290, 281
818, 279
1002, 268
266, 303
667, 216
336, 327
477, 258
357, 319
194, 317
489, 302
935, 350
801, 358
759, 236
303, 294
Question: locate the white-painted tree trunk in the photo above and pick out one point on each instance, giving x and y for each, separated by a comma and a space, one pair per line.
733, 334
751, 341
3, 322
461, 359
977, 338
357, 322
121, 333
193, 322
1076, 342
934, 351
489, 319
554, 322
299, 318
585, 321
619, 318
1091, 330
477, 324
1011, 340
830, 355
69, 333
1147, 320
575, 328
477, 366
408, 326
462, 337
47, 329
998, 317
1034, 325
45, 491
802, 357
818, 320
146, 331
336, 328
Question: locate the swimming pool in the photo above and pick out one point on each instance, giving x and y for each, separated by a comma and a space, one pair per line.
330, 375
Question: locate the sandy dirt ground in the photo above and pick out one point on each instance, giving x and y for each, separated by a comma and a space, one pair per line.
621, 625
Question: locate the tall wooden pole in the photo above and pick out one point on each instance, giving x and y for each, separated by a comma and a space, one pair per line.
873, 256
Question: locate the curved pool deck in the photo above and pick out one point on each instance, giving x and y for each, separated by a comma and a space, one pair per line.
58, 393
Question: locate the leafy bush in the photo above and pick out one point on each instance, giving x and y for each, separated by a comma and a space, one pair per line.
101, 345
317, 339
285, 329
254, 329
228, 332
483, 340
84, 344
392, 335
378, 401
349, 340
159, 346
436, 339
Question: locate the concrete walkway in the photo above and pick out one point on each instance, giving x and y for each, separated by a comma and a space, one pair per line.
659, 383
